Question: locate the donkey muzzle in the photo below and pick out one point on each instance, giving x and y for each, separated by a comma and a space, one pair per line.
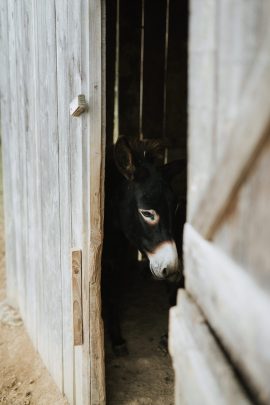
164, 263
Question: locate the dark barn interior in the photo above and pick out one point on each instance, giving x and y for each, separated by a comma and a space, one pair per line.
146, 76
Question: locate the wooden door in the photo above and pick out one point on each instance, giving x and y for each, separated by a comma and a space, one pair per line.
53, 180
220, 329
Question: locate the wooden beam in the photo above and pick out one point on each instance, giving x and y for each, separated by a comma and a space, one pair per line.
203, 374
97, 124
249, 133
236, 307
76, 256
7, 127
67, 176
202, 93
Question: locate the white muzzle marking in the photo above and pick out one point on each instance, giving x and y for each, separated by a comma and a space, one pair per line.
164, 260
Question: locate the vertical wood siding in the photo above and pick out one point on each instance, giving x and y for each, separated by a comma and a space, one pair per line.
48, 52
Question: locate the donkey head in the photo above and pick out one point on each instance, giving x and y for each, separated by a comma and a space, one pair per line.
147, 205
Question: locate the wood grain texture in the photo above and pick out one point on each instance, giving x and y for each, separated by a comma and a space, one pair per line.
239, 137
202, 98
76, 259
43, 327
93, 144
43, 173
49, 182
236, 307
198, 360
97, 162
32, 73
85, 118
22, 229
240, 152
7, 156
244, 231
32, 230
242, 28
14, 147
65, 194
228, 179
74, 82
42, 331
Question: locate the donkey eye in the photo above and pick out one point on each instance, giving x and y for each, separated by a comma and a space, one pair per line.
150, 216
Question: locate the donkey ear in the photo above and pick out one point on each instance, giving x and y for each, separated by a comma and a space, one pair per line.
173, 168
123, 158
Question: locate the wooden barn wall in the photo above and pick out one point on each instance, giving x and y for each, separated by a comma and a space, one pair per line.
201, 97
45, 53
224, 314
152, 71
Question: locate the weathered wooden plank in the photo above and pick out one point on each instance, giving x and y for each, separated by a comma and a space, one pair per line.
76, 134
242, 27
96, 325
7, 156
42, 330
14, 147
202, 98
51, 220
242, 149
32, 234
40, 96
76, 265
22, 155
96, 148
199, 361
62, 43
244, 232
236, 307
74, 80
93, 127
49, 172
85, 118
34, 187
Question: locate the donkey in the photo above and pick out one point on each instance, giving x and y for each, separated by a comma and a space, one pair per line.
140, 209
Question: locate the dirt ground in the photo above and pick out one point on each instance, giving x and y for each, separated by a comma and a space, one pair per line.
144, 377
23, 378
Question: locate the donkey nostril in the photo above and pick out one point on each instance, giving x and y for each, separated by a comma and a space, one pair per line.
164, 272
